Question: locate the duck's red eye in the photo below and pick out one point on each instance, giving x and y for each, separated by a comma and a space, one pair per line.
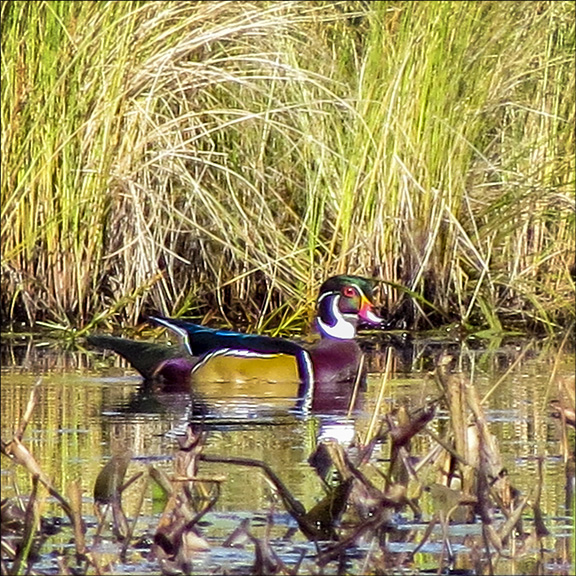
349, 292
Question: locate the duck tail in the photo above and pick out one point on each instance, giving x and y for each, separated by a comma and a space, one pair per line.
145, 357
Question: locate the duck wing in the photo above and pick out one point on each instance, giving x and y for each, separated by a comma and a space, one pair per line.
201, 340
208, 343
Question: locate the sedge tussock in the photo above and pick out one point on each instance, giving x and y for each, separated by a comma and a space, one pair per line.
248, 150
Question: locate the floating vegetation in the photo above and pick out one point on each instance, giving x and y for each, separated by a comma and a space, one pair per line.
453, 502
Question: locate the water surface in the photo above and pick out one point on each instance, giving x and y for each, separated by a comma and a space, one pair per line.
92, 407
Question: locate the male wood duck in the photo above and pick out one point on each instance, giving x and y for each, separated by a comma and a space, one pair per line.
210, 355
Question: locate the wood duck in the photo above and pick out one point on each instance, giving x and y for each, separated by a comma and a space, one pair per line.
211, 355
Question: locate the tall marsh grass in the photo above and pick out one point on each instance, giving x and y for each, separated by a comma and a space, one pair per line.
222, 158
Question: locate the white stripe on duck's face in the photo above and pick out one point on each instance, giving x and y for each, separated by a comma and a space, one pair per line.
331, 322
341, 308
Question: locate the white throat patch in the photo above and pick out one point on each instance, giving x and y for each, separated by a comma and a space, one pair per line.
343, 329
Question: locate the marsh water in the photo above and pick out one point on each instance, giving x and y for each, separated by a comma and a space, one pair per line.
92, 406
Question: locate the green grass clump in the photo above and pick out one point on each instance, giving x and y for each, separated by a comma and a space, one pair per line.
225, 157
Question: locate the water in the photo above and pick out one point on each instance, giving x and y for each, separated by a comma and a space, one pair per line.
91, 408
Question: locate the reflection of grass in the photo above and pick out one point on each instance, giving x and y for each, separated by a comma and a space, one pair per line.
357, 495
238, 147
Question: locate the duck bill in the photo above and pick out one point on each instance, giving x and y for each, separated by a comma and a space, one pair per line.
368, 315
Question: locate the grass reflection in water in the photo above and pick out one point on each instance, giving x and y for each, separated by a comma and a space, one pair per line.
370, 507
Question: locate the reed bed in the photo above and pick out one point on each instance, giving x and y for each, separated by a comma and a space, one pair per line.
220, 159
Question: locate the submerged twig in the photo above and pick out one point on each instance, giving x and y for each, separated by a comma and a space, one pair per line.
31, 521
15, 450
376, 411
293, 506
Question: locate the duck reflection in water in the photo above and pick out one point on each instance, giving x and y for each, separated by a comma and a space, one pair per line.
324, 377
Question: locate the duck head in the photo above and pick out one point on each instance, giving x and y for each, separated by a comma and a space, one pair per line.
345, 302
